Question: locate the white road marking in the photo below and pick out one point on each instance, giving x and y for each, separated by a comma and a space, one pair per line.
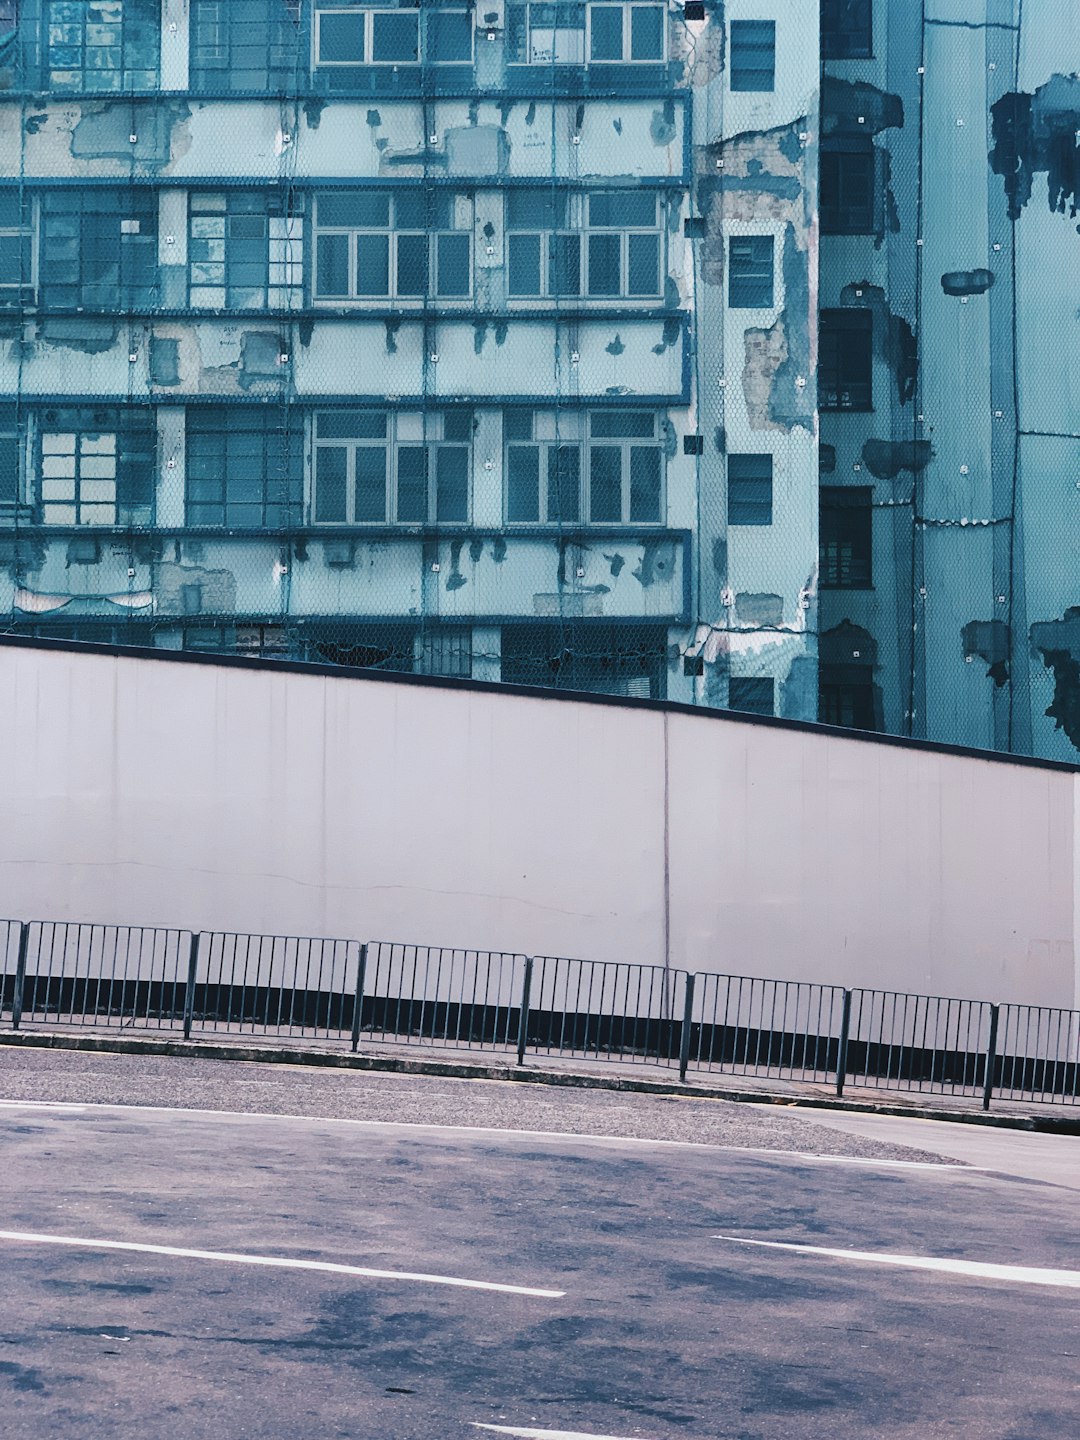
759, 1150
1015, 1274
278, 1262
524, 1433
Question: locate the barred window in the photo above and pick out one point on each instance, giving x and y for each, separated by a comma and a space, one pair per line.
374, 467
380, 243
847, 529
846, 359
245, 467
848, 187
245, 251
95, 466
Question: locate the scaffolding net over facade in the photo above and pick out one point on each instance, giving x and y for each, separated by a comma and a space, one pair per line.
497, 340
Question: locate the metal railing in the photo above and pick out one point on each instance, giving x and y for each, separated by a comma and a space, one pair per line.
347, 991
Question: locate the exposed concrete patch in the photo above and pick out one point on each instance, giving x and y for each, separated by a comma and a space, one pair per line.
89, 337
175, 588
759, 610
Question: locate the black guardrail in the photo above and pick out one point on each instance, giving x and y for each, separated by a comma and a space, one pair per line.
211, 982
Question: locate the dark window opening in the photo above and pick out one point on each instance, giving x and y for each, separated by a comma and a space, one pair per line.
848, 190
845, 360
847, 523
846, 698
750, 272
847, 29
627, 660
755, 695
245, 468
750, 489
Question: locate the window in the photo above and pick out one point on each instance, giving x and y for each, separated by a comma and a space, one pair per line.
101, 44
245, 467
10, 450
750, 489
250, 640
16, 249
245, 251
543, 467
846, 537
845, 360
846, 701
625, 467
377, 466
354, 35
407, 244
750, 272
627, 34
99, 248
246, 45
847, 29
548, 34
95, 467
616, 453
617, 255
847, 189
753, 694
627, 660
753, 54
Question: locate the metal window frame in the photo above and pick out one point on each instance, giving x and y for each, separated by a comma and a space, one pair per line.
86, 85
735, 239
22, 292
392, 444
116, 421
545, 446
625, 444
369, 11
276, 294
578, 224
393, 233
626, 6
292, 506
529, 6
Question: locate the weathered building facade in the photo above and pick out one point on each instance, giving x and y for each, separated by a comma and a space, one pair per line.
498, 340
949, 384
467, 339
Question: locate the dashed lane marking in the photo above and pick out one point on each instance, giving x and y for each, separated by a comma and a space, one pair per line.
276, 1262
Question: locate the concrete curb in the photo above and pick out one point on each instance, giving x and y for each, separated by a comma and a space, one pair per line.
526, 1074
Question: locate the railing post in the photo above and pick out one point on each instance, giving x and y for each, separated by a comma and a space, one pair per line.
20, 976
189, 991
991, 1056
687, 1022
358, 999
842, 1049
523, 1011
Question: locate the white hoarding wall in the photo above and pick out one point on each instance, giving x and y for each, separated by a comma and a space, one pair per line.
217, 797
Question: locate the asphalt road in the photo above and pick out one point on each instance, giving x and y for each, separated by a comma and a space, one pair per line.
659, 1329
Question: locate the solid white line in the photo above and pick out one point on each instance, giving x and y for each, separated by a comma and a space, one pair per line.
759, 1150
279, 1262
527, 1434
1015, 1274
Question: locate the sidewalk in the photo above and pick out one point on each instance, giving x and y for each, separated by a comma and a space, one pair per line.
463, 1062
